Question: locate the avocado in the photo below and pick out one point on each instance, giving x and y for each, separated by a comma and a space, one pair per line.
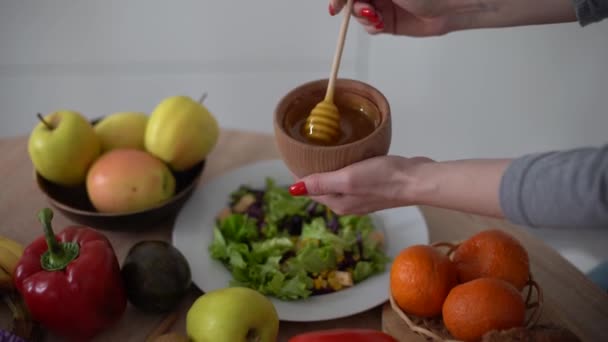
156, 276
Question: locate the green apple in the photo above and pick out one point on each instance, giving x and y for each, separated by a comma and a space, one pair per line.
124, 180
181, 132
62, 147
232, 314
122, 130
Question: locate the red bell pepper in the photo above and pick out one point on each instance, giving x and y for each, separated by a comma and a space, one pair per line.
344, 335
71, 282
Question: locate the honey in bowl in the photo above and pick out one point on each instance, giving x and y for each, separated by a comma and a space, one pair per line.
359, 117
356, 101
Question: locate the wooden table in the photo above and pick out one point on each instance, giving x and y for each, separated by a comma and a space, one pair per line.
570, 298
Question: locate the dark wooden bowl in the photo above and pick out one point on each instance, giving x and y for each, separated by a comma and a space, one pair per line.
75, 204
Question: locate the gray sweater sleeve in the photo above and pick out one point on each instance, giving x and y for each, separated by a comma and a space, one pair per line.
590, 11
557, 189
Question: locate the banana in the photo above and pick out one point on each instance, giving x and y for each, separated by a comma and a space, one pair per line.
12, 245
6, 281
10, 253
8, 260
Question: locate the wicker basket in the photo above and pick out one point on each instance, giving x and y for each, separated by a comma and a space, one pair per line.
434, 329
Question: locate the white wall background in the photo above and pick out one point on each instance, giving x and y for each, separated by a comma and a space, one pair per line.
468, 94
496, 92
99, 57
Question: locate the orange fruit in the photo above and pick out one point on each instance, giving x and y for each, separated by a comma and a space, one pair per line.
493, 253
420, 279
482, 305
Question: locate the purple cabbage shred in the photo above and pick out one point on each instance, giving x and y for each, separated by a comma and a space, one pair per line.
311, 208
256, 211
360, 244
294, 225
333, 224
7, 336
348, 262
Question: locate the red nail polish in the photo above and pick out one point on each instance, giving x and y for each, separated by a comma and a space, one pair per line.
332, 12
298, 189
380, 26
369, 14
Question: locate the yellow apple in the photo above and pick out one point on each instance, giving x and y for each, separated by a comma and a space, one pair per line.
232, 314
62, 147
181, 132
125, 180
122, 130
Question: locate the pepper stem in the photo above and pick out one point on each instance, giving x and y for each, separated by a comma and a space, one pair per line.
59, 254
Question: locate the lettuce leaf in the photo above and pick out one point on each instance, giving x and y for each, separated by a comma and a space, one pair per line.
315, 259
274, 247
239, 227
317, 230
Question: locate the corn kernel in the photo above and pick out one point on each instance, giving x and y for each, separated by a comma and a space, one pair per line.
333, 281
319, 283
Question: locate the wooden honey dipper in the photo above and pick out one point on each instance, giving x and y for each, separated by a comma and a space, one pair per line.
323, 123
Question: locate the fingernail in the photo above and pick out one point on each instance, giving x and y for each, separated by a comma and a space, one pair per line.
332, 12
298, 189
369, 14
380, 26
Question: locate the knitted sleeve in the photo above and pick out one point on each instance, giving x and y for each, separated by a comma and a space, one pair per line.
590, 11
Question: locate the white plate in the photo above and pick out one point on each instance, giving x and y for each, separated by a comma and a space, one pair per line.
193, 233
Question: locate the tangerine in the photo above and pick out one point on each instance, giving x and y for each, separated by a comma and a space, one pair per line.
482, 305
420, 279
493, 253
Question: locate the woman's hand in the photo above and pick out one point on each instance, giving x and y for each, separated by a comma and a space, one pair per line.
386, 182
421, 18
400, 17
367, 186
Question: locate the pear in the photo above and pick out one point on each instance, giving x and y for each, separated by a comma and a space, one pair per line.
181, 132
122, 130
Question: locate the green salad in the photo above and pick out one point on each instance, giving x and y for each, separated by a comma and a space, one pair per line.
293, 247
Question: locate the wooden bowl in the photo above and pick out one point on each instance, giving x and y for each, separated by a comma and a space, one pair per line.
74, 203
303, 158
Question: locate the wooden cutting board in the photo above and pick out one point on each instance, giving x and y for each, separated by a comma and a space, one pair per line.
569, 296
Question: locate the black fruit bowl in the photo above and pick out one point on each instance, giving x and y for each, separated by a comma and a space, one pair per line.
74, 203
